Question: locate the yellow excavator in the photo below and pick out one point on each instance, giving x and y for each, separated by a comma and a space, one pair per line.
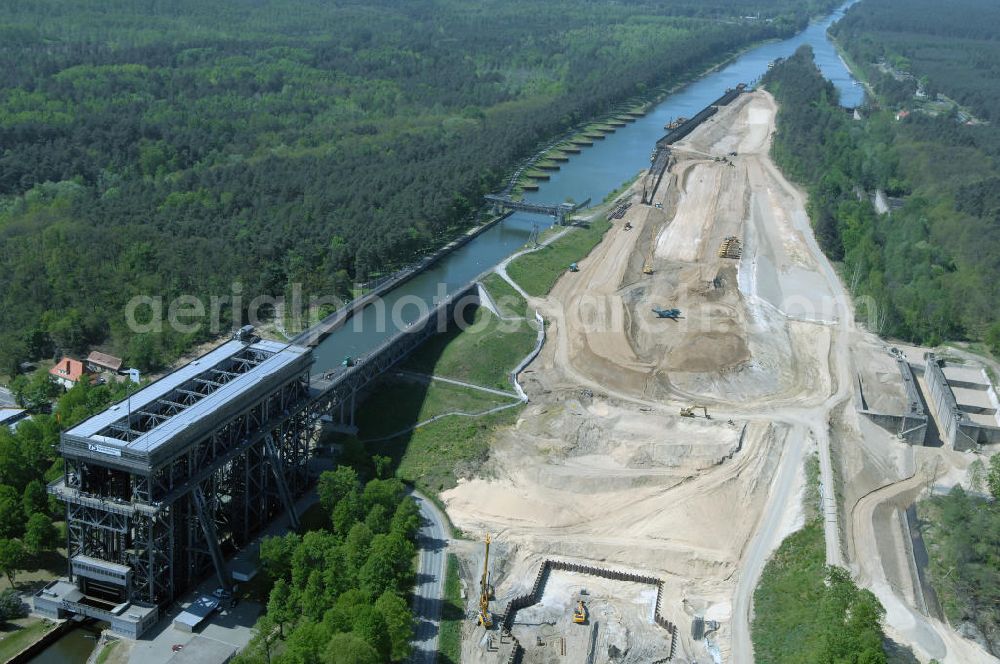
485, 617
580, 613
689, 411
647, 267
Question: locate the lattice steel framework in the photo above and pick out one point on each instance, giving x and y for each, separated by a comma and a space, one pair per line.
171, 520
172, 512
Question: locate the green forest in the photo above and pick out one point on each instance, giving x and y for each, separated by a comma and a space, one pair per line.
930, 270
962, 535
339, 593
183, 147
28, 460
806, 611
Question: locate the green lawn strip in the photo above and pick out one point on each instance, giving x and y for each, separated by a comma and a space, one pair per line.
537, 272
452, 614
482, 354
508, 301
106, 651
28, 631
806, 612
397, 403
435, 455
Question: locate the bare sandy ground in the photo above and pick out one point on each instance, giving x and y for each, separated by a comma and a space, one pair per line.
600, 468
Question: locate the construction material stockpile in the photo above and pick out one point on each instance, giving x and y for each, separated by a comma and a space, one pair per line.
620, 211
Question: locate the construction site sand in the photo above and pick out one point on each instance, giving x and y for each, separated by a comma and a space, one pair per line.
600, 468
619, 616
734, 341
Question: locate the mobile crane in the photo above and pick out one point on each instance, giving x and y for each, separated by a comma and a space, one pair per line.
485, 617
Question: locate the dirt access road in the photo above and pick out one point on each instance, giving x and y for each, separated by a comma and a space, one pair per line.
601, 468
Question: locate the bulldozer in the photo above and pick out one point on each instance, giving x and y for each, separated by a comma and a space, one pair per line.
580, 613
690, 410
485, 618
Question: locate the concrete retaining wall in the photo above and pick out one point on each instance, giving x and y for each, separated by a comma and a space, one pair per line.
958, 430
910, 426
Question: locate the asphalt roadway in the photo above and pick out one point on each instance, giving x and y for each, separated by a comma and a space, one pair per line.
428, 594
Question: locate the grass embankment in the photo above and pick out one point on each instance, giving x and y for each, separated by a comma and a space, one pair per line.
452, 614
434, 455
21, 633
483, 354
108, 648
805, 611
508, 301
392, 405
537, 272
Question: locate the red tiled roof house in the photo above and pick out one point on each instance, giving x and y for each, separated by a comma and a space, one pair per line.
67, 372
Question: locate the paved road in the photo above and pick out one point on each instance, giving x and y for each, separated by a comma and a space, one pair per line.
428, 596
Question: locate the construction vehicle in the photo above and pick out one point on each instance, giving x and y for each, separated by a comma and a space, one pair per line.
689, 411
573, 267
647, 267
580, 613
348, 361
628, 226
485, 617
670, 126
673, 314
730, 247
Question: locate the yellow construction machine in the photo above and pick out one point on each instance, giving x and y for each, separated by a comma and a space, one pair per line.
731, 248
580, 613
689, 411
485, 617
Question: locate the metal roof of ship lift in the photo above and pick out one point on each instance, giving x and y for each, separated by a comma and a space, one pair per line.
171, 408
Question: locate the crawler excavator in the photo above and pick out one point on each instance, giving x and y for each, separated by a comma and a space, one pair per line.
485, 617
580, 613
689, 411
647, 267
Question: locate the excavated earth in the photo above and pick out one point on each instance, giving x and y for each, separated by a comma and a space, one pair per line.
602, 469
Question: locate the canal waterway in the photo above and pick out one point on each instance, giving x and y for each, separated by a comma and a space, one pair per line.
593, 173
72, 648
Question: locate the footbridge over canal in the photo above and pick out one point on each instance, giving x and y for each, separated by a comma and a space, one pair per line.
560, 211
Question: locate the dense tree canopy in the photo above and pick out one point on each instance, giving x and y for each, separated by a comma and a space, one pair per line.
928, 271
339, 593
962, 533
181, 148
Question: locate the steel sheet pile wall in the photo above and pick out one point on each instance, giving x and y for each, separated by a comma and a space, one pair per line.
538, 589
687, 127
